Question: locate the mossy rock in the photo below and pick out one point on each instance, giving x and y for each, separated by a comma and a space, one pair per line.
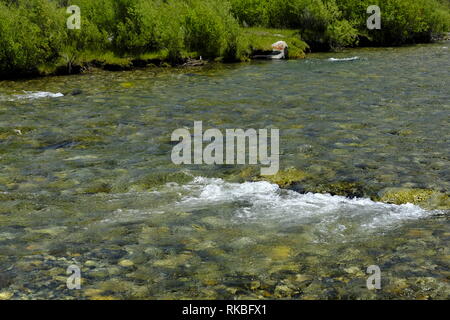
247, 174
287, 177
346, 189
428, 199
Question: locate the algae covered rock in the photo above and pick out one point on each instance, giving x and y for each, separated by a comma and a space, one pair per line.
346, 189
426, 198
246, 174
287, 177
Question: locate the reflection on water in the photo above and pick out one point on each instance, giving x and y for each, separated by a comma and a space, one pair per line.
86, 179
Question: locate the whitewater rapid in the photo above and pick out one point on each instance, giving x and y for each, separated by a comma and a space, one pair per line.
32, 95
263, 202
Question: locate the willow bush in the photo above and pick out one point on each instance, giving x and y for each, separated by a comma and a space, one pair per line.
31, 34
334, 23
211, 30
402, 21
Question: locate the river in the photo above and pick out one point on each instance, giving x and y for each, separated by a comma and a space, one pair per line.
86, 179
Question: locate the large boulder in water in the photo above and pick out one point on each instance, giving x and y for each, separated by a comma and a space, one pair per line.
428, 199
281, 48
279, 51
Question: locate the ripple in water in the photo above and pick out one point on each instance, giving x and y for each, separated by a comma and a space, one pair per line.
343, 59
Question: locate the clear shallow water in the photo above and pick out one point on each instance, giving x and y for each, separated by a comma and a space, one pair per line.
87, 179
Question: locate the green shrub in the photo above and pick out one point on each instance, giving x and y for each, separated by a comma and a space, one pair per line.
402, 21
146, 26
319, 21
341, 33
261, 39
211, 30
204, 27
97, 25
251, 12
170, 30
31, 33
335, 23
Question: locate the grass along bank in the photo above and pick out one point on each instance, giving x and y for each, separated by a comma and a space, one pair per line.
122, 34
255, 38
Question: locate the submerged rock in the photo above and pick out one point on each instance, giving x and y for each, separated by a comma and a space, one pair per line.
172, 261
127, 85
6, 295
242, 243
283, 291
92, 292
90, 263
255, 285
354, 270
280, 252
302, 278
126, 263
76, 92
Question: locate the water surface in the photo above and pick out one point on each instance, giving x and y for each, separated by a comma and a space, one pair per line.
87, 179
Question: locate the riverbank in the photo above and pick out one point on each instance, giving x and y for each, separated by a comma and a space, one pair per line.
121, 35
260, 38
257, 39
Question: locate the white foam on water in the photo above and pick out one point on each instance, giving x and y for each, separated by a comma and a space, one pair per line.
343, 59
31, 95
264, 202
